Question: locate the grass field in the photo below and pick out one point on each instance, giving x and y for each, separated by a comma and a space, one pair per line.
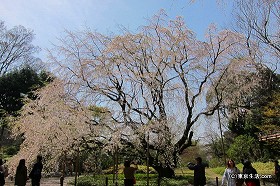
262, 168
184, 176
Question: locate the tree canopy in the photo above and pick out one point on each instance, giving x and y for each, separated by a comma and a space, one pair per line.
147, 90
16, 47
153, 82
17, 84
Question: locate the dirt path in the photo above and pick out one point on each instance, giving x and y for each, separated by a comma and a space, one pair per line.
54, 181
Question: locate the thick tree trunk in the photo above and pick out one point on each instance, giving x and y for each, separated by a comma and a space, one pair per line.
2, 135
166, 172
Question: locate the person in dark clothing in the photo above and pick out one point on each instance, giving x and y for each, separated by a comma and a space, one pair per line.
2, 173
199, 172
277, 172
129, 179
250, 174
21, 174
36, 172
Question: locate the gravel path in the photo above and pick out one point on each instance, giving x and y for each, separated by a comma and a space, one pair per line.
54, 181
45, 182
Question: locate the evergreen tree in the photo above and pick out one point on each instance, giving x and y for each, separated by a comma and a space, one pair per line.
14, 87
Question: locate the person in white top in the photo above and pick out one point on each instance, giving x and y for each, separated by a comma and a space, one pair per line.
231, 174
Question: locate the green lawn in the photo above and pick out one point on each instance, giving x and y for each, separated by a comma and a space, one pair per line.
141, 180
262, 168
184, 176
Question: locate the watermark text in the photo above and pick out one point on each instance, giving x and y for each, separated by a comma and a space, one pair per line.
250, 176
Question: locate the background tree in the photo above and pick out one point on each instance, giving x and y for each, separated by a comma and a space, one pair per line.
58, 126
154, 82
259, 20
213, 144
256, 110
255, 114
16, 50
15, 86
15, 47
243, 147
18, 84
47, 126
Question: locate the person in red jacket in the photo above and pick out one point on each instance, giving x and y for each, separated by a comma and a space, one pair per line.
250, 174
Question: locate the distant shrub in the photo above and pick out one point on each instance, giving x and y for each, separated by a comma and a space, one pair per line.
174, 181
215, 162
219, 170
141, 169
86, 181
262, 168
11, 150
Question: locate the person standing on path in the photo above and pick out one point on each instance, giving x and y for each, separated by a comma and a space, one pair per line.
2, 173
199, 172
277, 172
36, 172
230, 174
249, 172
21, 174
129, 179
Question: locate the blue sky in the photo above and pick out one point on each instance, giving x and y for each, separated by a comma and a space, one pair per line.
49, 18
